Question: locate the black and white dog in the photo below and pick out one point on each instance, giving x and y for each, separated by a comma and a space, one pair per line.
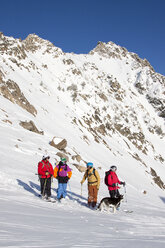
107, 203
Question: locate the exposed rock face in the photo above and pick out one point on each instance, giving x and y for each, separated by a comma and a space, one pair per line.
12, 92
33, 43
103, 50
7, 121
12, 47
77, 157
62, 155
157, 179
80, 168
29, 125
158, 104
59, 145
1, 76
111, 50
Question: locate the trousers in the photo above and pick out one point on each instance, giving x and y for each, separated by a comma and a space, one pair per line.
92, 195
61, 191
45, 186
114, 193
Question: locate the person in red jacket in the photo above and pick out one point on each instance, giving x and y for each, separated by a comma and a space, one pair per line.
113, 182
45, 172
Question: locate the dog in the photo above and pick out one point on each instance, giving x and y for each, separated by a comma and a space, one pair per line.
107, 203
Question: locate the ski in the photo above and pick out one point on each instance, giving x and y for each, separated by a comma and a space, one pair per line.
52, 201
47, 200
128, 211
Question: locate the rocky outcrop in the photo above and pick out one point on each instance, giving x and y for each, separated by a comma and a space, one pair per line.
29, 125
33, 43
60, 144
140, 88
104, 50
80, 168
62, 155
137, 139
12, 92
158, 104
157, 179
1, 76
111, 50
77, 157
12, 47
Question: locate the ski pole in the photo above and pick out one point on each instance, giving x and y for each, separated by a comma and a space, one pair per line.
81, 189
70, 188
38, 176
125, 193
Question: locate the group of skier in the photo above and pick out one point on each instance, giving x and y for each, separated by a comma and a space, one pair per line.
62, 172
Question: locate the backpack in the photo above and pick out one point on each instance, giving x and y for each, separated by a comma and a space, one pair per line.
60, 168
107, 173
93, 173
60, 178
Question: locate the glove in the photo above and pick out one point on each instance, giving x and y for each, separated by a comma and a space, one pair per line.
114, 185
81, 182
123, 183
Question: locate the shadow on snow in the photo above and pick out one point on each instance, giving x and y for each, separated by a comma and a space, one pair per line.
29, 188
162, 198
32, 187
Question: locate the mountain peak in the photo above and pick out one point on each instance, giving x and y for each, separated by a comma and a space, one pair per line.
33, 43
33, 38
109, 49
112, 50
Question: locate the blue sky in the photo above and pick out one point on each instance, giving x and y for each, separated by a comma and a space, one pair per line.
77, 25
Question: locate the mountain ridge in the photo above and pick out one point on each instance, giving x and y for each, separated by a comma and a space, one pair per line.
109, 98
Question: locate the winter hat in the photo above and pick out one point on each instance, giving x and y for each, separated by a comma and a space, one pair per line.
63, 159
60, 163
113, 168
45, 156
89, 164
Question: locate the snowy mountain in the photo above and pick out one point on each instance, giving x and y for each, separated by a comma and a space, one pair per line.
107, 107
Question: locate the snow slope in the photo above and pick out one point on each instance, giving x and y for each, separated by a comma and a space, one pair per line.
27, 221
93, 102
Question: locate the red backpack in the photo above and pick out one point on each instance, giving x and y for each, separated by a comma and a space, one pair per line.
107, 173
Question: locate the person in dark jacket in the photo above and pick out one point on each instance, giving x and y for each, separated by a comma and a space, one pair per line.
45, 172
62, 173
113, 182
